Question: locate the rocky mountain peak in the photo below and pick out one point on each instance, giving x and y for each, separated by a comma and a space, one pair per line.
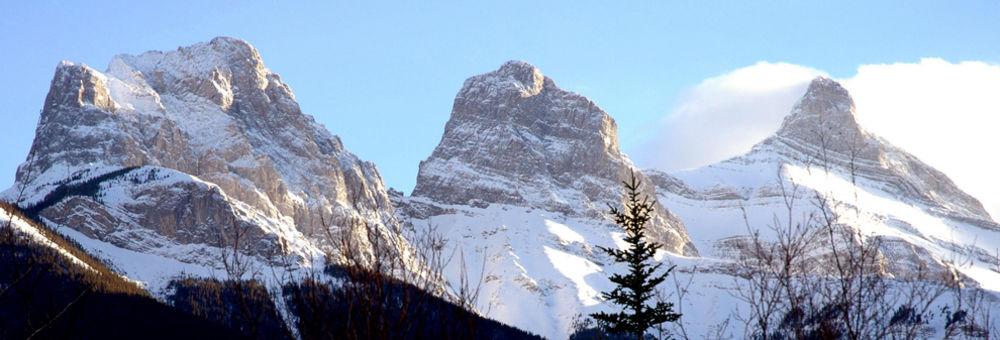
77, 85
516, 138
822, 130
823, 117
207, 113
513, 79
827, 88
507, 124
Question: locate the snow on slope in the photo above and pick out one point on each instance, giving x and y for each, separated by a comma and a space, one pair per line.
542, 266
152, 246
519, 184
874, 187
539, 268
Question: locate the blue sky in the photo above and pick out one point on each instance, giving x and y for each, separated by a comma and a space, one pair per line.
383, 75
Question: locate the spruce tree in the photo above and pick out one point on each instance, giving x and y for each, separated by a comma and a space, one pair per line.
635, 289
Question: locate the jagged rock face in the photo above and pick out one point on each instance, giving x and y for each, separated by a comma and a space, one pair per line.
515, 124
211, 110
157, 211
824, 118
516, 138
79, 86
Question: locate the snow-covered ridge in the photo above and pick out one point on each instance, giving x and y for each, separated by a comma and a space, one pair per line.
823, 127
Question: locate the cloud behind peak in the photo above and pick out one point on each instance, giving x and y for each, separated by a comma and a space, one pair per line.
945, 113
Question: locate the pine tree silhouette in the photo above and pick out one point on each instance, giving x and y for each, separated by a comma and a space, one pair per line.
635, 289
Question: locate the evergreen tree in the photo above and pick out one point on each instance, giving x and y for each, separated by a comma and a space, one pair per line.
635, 289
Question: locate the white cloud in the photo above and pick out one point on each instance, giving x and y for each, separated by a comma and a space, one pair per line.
947, 114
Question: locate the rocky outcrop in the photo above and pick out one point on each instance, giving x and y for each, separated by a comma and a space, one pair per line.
78, 86
157, 211
516, 138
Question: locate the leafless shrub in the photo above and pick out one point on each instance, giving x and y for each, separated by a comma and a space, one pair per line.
370, 262
772, 275
969, 314
242, 274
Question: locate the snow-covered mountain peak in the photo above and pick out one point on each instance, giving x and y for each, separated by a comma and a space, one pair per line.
822, 132
199, 59
823, 158
555, 150
207, 113
514, 77
516, 138
824, 118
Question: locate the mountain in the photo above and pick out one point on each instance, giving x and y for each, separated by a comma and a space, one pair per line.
520, 185
822, 159
164, 156
515, 138
823, 124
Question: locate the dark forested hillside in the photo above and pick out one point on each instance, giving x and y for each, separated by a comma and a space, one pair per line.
43, 295
405, 313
